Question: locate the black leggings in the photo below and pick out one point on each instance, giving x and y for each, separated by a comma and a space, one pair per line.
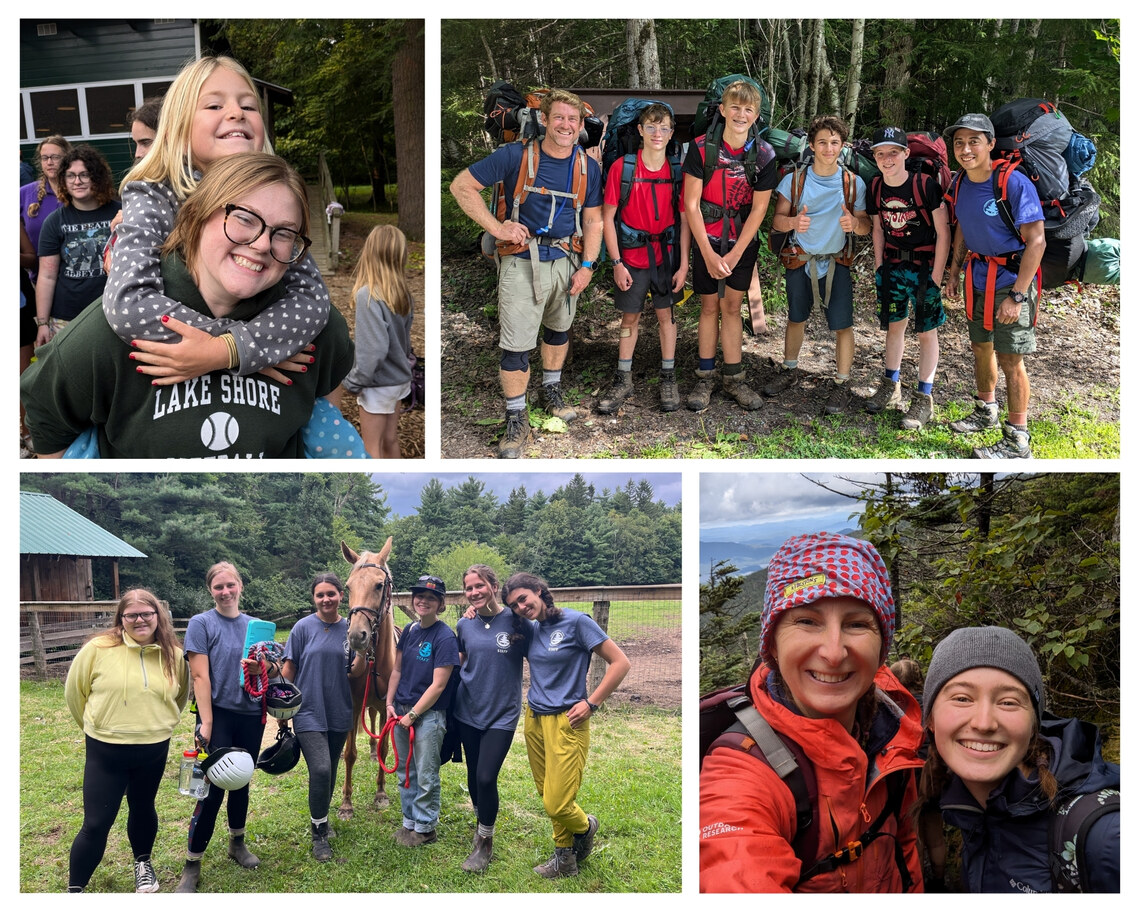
486, 751
230, 729
110, 771
322, 756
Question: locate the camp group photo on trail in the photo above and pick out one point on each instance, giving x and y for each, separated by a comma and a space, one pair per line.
791, 204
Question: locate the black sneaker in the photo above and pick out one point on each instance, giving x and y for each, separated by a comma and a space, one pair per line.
516, 436
145, 879
554, 404
1014, 444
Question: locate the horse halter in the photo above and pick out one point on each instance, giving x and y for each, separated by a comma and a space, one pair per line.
374, 614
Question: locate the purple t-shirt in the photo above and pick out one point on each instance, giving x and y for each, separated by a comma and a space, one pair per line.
34, 224
984, 229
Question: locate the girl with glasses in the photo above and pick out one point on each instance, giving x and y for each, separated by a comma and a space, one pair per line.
40, 198
126, 689
220, 270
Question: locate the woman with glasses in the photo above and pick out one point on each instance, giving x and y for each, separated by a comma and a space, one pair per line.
40, 198
126, 689
71, 243
231, 244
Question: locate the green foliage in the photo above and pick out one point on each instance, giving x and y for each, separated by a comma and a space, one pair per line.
451, 564
726, 655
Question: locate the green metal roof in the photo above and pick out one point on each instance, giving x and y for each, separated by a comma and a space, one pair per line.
49, 527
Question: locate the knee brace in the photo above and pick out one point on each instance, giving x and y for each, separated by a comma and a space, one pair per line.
514, 361
550, 337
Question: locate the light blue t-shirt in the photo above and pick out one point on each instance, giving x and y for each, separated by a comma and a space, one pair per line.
559, 658
222, 640
823, 197
490, 679
321, 657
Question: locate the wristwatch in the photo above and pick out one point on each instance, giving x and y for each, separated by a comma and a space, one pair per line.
593, 706
587, 264
1019, 297
618, 262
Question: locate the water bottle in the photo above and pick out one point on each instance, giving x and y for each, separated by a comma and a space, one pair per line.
192, 781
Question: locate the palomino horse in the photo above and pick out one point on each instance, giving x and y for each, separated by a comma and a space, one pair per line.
372, 635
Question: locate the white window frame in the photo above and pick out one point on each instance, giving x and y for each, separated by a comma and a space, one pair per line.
80, 89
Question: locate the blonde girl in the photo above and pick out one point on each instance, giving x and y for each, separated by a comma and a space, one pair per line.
125, 689
212, 110
382, 375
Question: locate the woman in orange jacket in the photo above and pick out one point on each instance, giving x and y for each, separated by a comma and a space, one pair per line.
821, 684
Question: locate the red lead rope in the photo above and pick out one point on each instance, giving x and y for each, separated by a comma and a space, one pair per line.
388, 731
261, 687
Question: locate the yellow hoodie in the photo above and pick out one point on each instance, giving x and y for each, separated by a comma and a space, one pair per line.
120, 694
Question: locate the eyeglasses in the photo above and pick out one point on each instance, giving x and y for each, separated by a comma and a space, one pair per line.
140, 616
244, 227
655, 128
51, 158
83, 177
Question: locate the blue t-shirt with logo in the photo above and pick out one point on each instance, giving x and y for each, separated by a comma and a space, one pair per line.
423, 650
221, 639
559, 658
984, 229
490, 682
320, 652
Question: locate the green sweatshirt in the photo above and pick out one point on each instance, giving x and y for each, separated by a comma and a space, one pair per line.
120, 694
85, 376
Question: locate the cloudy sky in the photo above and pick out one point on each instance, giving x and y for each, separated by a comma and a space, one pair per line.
736, 499
403, 488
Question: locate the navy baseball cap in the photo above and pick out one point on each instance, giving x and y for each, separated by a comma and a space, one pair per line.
432, 584
889, 136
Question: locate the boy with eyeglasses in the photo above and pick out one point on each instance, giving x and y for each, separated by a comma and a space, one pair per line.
648, 266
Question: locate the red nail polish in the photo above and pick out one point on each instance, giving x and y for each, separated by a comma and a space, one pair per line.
131, 356
139, 369
312, 360
289, 382
166, 318
134, 343
304, 370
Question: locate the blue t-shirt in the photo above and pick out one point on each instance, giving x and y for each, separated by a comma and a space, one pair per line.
321, 657
490, 680
222, 640
824, 199
423, 650
553, 173
559, 658
984, 229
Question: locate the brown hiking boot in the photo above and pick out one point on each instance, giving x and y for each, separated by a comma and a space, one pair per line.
701, 394
562, 864
1014, 444
621, 390
888, 395
784, 380
411, 838
516, 436
736, 386
670, 395
554, 405
837, 399
921, 411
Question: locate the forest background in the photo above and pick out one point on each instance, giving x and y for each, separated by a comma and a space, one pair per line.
281, 529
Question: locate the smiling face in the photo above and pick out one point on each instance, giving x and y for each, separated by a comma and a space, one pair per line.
527, 603
326, 599
892, 163
827, 146
983, 721
226, 119
140, 621
655, 135
226, 272
827, 653
739, 116
972, 149
427, 607
479, 594
225, 590
563, 125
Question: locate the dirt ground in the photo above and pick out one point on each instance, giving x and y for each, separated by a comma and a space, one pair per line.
1077, 350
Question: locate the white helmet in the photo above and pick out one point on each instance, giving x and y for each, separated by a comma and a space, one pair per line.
229, 768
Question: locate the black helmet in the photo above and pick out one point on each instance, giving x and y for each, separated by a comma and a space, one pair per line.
282, 755
282, 700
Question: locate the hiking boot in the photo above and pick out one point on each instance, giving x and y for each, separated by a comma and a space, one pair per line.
921, 411
561, 864
888, 395
584, 842
1014, 444
189, 880
784, 380
736, 386
480, 857
552, 402
516, 436
670, 395
982, 418
837, 399
322, 851
241, 854
411, 838
701, 394
145, 879
621, 390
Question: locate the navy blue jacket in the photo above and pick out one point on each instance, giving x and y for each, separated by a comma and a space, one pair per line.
1005, 847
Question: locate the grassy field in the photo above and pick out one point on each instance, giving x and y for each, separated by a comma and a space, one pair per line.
632, 783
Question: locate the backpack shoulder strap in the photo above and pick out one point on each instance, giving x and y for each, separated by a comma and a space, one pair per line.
1068, 835
1000, 182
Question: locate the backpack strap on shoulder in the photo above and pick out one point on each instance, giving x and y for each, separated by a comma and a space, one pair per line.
1068, 838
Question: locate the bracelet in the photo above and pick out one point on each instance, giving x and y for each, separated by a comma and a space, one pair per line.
594, 707
231, 347
412, 715
42, 321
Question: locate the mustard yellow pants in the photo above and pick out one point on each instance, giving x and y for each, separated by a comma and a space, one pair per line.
557, 756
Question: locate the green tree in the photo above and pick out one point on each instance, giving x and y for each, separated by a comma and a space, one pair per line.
451, 564
726, 655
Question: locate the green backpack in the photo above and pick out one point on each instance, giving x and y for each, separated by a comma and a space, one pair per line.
709, 122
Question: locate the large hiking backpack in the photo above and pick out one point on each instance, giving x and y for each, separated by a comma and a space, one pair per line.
510, 116
927, 157
1068, 835
707, 121
729, 719
620, 145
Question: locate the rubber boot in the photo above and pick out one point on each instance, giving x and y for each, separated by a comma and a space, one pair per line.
190, 873
241, 854
480, 857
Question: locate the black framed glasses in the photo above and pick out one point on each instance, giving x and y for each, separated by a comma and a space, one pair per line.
82, 177
244, 227
140, 616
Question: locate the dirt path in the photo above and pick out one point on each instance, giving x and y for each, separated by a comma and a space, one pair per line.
1077, 359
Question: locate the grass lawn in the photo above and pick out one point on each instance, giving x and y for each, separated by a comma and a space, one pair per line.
632, 783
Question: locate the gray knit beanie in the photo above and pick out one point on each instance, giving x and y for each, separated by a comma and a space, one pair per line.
983, 647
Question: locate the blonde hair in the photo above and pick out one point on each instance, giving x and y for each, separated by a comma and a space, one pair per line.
163, 632
741, 92
226, 181
41, 190
171, 159
381, 269
221, 567
561, 96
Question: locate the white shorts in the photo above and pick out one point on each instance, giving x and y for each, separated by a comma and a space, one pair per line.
382, 400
